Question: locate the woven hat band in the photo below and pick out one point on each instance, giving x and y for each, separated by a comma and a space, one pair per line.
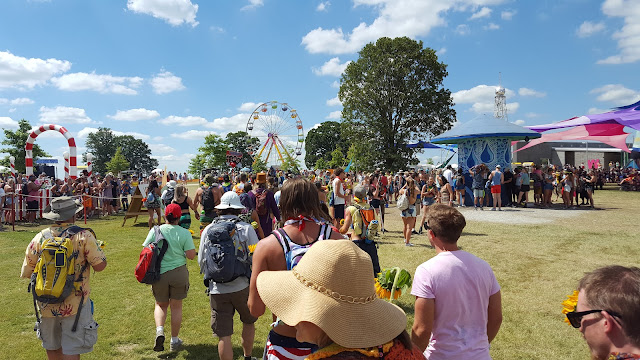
332, 294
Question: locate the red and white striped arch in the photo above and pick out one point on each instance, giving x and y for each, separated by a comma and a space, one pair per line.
73, 169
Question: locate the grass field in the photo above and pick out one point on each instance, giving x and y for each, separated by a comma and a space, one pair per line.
536, 265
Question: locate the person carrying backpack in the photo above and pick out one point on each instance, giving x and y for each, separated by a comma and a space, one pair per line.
208, 196
228, 238
58, 261
173, 285
265, 203
364, 221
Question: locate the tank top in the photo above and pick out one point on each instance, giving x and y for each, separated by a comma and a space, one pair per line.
445, 194
495, 180
293, 252
184, 205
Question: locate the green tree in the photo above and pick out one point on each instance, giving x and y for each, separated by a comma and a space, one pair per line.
430, 161
240, 141
289, 162
15, 142
101, 144
321, 164
392, 95
137, 153
321, 141
117, 163
213, 154
258, 165
337, 158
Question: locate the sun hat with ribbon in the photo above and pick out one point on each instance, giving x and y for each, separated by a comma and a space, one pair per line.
62, 208
332, 287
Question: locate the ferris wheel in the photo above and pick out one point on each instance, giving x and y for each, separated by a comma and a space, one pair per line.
279, 130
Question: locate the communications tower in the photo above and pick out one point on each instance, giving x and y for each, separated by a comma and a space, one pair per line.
500, 109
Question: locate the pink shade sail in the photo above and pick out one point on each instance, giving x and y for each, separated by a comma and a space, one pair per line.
611, 134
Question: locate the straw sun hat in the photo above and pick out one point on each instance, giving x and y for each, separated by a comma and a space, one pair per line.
332, 288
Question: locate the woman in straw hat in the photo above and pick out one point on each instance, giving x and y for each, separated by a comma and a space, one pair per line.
306, 223
335, 305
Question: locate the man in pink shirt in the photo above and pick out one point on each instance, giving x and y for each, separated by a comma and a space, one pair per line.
458, 309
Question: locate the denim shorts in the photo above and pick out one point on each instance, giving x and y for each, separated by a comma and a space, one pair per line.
428, 201
409, 212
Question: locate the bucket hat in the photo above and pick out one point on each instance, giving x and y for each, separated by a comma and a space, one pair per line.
62, 208
261, 178
332, 287
230, 200
172, 184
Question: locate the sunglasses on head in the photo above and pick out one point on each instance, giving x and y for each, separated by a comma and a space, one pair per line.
575, 318
427, 227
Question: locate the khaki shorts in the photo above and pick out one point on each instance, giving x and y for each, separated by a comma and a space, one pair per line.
55, 332
174, 284
224, 306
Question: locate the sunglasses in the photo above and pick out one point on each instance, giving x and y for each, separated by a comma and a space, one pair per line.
427, 227
575, 318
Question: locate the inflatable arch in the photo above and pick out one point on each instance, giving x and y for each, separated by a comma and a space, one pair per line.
73, 170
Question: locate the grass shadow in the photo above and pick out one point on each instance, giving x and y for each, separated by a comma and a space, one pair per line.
210, 351
472, 234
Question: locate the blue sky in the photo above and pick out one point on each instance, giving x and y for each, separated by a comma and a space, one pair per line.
172, 71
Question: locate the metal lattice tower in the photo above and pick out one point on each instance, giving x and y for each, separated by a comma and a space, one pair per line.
500, 109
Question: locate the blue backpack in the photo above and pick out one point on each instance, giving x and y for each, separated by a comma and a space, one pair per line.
223, 261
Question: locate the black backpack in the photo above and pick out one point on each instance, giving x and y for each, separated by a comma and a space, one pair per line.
222, 260
25, 189
208, 201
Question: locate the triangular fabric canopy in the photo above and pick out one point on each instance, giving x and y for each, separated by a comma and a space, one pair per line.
427, 145
628, 115
633, 164
611, 134
484, 127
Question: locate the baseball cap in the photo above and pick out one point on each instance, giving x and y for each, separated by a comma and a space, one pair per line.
173, 210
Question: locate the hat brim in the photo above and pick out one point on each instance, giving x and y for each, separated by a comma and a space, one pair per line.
62, 215
351, 325
230, 206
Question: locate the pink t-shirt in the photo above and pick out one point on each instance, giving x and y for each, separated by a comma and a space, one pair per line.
461, 284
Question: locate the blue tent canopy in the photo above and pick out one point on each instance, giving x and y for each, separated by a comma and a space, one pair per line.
485, 127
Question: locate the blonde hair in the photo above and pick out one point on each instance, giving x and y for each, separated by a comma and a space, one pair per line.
181, 191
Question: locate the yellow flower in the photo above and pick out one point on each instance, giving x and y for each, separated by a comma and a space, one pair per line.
254, 224
570, 304
341, 222
101, 244
191, 231
252, 248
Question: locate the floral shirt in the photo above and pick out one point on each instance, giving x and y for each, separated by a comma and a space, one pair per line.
623, 356
88, 251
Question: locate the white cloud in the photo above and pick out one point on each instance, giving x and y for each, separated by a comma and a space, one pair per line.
595, 110
104, 84
629, 36
158, 138
463, 29
16, 101
441, 52
332, 67
530, 92
334, 102
507, 14
8, 123
323, 6
411, 18
64, 115
158, 148
617, 94
134, 115
192, 134
12, 110
229, 124
519, 122
334, 115
166, 82
248, 107
82, 134
184, 121
20, 72
589, 28
216, 29
491, 26
253, 4
335, 84
174, 12
482, 13
532, 115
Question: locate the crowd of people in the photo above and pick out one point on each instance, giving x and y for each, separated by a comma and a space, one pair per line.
302, 246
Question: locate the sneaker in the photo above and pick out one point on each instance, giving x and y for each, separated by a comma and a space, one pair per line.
408, 244
159, 342
493, 209
175, 346
414, 232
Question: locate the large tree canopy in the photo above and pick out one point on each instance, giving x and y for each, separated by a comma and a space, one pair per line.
393, 95
213, 154
321, 141
15, 142
240, 141
103, 144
